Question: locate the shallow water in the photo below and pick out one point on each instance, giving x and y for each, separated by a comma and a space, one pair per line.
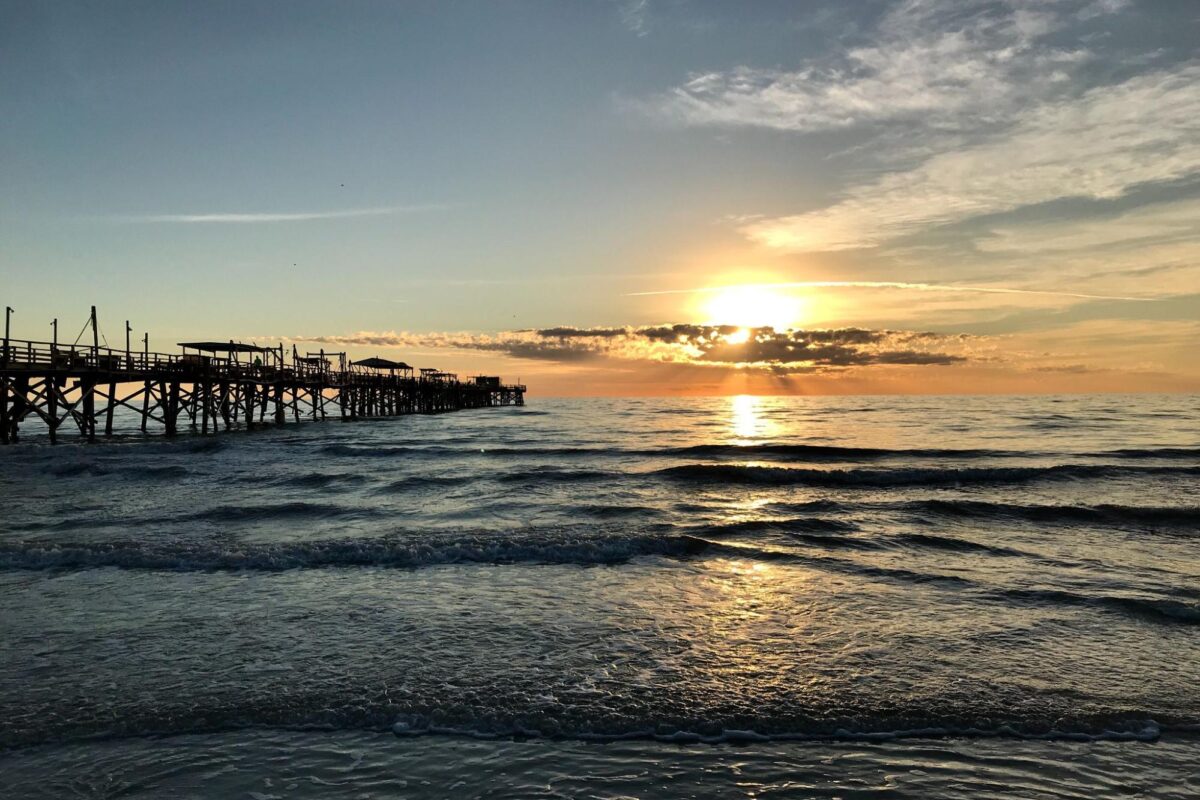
747, 596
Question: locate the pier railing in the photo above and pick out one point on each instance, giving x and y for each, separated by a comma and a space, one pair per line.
59, 383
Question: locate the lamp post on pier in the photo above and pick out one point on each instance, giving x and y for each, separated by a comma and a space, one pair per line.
7, 316
95, 337
128, 360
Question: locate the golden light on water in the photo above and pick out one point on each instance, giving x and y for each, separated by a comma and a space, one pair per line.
744, 417
754, 306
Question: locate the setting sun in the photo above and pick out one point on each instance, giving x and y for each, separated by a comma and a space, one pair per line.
754, 306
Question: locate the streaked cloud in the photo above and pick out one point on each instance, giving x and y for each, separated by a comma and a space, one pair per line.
975, 108
941, 64
635, 15
1099, 146
1158, 222
253, 217
920, 287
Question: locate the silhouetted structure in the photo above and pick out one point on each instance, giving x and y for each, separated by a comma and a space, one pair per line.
219, 383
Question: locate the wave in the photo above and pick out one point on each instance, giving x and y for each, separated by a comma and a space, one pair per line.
368, 451
1160, 610
510, 713
779, 451
905, 476
423, 481
72, 469
297, 509
824, 533
798, 524
554, 475
1103, 514
1153, 609
1155, 452
393, 551
821, 452
1139, 731
317, 480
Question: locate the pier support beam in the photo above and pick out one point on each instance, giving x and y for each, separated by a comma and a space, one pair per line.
4, 433
172, 412
88, 403
112, 405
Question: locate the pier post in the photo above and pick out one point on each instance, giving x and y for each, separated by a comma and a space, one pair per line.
223, 389
279, 407
172, 412
52, 406
88, 390
203, 393
249, 399
145, 405
4, 410
112, 404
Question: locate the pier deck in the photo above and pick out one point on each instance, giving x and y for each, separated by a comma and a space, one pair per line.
215, 385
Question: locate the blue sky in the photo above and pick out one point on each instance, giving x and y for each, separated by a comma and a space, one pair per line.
446, 179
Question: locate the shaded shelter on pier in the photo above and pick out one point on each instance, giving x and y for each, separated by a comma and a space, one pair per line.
376, 363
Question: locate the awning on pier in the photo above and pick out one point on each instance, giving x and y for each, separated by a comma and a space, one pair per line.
225, 347
380, 363
310, 360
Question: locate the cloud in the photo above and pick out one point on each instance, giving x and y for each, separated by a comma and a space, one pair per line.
727, 346
921, 287
303, 216
939, 64
1157, 222
1099, 146
635, 15
977, 108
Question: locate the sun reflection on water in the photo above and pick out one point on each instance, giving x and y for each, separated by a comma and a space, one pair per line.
745, 419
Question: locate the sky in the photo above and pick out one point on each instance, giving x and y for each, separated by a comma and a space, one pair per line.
630, 198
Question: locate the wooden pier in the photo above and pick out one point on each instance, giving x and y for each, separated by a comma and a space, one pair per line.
215, 385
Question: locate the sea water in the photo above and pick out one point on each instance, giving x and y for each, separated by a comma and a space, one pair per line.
759, 597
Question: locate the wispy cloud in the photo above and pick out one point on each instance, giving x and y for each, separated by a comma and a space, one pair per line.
1099, 146
301, 216
942, 64
1157, 222
635, 15
976, 108
921, 287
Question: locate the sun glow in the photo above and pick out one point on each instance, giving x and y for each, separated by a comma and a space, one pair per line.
753, 307
740, 336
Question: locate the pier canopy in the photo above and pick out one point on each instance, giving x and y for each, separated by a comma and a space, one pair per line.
381, 363
225, 347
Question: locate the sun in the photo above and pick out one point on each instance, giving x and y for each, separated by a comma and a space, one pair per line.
754, 307
740, 336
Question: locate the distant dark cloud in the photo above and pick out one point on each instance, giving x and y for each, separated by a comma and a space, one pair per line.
696, 344
567, 333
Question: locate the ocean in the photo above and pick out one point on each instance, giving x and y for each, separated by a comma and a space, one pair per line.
613, 598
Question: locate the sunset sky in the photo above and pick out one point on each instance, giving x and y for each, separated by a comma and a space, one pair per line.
656, 196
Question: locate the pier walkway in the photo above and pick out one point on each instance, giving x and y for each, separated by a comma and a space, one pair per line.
214, 385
